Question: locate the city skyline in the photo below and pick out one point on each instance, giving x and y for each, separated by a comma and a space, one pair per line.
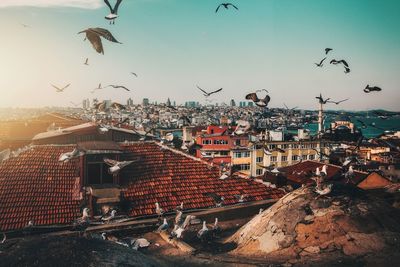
175, 45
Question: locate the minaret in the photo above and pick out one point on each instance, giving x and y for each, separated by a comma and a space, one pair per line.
320, 119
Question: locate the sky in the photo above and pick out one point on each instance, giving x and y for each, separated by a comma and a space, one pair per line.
174, 45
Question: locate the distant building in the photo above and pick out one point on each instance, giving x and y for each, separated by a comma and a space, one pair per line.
145, 102
168, 102
129, 102
191, 104
107, 103
86, 104
233, 103
242, 104
174, 104
250, 104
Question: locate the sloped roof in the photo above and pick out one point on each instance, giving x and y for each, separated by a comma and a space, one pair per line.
169, 178
301, 172
35, 187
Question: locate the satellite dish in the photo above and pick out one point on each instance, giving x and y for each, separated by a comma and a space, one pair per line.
169, 137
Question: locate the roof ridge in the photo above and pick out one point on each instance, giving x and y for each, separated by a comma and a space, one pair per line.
333, 165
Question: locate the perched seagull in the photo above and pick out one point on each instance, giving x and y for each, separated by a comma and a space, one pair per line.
368, 88
114, 11
349, 174
260, 211
217, 199
216, 229
94, 34
117, 86
320, 63
260, 102
134, 74
338, 102
109, 218
140, 243
325, 190
116, 166
4, 238
179, 229
327, 50
59, 90
178, 217
203, 232
81, 223
159, 210
163, 227
180, 207
206, 94
65, 157
240, 198
86, 62
226, 5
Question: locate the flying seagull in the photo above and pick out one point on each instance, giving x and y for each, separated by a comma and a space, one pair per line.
94, 34
114, 11
338, 102
117, 106
343, 62
59, 90
86, 62
321, 100
25, 25
368, 88
260, 102
97, 88
65, 157
116, 166
117, 86
327, 50
320, 63
134, 74
226, 5
208, 94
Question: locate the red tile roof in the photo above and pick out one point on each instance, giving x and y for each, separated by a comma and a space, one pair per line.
35, 186
170, 178
300, 173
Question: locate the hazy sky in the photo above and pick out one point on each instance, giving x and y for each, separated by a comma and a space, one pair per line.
174, 45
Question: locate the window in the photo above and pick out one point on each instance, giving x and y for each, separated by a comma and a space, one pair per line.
224, 153
311, 157
237, 154
304, 157
259, 171
259, 159
206, 142
283, 158
272, 146
295, 157
273, 158
220, 142
237, 142
295, 146
246, 154
242, 167
284, 146
97, 171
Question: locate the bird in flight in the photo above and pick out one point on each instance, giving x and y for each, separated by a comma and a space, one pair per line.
343, 62
97, 88
327, 50
113, 11
59, 90
320, 64
117, 106
117, 86
321, 100
134, 74
86, 62
25, 25
94, 34
210, 93
338, 102
260, 102
226, 5
368, 88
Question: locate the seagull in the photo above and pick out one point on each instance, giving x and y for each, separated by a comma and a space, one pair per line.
260, 211
117, 86
226, 5
343, 62
99, 87
240, 198
117, 106
349, 174
216, 229
180, 207
100, 106
109, 218
202, 234
86, 62
81, 223
242, 127
368, 88
178, 217
260, 102
321, 100
325, 190
208, 94
140, 243
320, 63
338, 102
219, 200
159, 211
59, 90
94, 34
163, 227
65, 157
179, 229
114, 11
327, 50
25, 25
134, 74
116, 166
4, 238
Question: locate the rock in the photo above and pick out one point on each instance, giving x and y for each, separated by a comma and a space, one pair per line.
312, 249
